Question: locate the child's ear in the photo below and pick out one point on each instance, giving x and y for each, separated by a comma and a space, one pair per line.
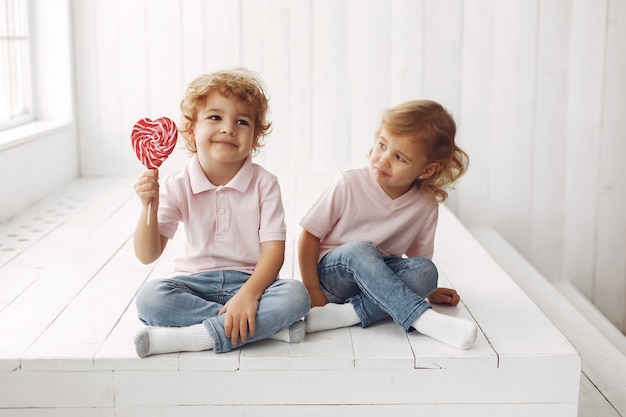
430, 170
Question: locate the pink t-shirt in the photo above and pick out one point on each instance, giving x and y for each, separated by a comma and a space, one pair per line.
355, 207
224, 225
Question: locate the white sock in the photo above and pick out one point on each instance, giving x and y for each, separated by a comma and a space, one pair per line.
453, 331
156, 340
331, 316
291, 334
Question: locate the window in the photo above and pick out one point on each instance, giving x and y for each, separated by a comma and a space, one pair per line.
15, 79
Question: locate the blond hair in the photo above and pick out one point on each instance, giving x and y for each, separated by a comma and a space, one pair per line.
239, 82
431, 124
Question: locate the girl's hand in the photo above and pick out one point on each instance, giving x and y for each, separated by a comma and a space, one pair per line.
444, 296
147, 188
240, 320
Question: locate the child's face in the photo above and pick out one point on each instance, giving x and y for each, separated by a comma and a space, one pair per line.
397, 161
224, 130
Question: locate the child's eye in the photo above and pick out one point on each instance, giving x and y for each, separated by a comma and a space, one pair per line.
382, 146
214, 117
400, 158
243, 122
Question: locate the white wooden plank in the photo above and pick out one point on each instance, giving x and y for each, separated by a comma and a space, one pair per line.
584, 104
164, 69
592, 314
368, 54
610, 252
58, 412
592, 403
72, 340
442, 60
331, 349
432, 354
109, 93
59, 284
406, 57
474, 114
131, 77
300, 99
275, 70
85, 46
266, 354
331, 99
374, 410
442, 44
22, 389
602, 362
548, 183
225, 18
512, 118
383, 345
193, 49
118, 351
288, 187
478, 278
423, 386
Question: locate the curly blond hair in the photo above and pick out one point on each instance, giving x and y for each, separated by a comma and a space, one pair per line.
239, 82
430, 123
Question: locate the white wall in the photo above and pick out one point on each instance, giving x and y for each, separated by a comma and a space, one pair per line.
537, 88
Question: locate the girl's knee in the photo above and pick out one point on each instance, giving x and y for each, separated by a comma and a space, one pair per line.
430, 274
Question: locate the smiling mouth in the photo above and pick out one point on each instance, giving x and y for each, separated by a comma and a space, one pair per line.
224, 143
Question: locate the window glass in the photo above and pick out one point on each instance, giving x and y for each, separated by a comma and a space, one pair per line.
15, 79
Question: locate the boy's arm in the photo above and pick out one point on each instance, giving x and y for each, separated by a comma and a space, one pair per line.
149, 244
308, 252
241, 309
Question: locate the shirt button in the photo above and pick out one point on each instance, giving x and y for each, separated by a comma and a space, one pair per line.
221, 211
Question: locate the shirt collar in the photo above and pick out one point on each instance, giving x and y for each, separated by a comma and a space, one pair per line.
200, 183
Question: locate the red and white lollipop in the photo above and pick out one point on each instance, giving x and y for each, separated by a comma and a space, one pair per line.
153, 142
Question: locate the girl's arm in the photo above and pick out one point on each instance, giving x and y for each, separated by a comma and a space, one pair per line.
149, 244
241, 309
308, 252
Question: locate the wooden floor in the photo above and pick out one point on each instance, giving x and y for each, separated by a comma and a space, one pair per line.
68, 278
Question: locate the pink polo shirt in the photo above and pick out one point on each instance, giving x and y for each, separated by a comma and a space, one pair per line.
355, 207
224, 225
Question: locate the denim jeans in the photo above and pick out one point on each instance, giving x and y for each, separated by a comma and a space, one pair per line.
192, 299
377, 286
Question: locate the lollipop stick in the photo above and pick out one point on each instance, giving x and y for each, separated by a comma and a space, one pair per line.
149, 210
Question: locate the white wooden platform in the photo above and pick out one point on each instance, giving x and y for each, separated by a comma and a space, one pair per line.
68, 278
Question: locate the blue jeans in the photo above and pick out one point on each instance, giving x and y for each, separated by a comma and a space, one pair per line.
192, 299
377, 286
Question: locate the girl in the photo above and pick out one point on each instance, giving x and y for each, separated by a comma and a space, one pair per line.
225, 291
354, 237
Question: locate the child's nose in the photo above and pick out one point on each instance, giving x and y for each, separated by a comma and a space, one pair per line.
227, 128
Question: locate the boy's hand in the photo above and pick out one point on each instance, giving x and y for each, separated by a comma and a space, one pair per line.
147, 188
318, 298
240, 320
444, 296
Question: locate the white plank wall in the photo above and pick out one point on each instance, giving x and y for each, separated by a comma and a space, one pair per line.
537, 88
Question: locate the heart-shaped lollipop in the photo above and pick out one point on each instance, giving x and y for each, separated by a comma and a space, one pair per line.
154, 141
